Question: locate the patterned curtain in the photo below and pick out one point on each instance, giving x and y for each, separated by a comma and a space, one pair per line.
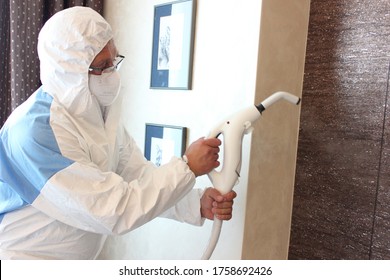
20, 23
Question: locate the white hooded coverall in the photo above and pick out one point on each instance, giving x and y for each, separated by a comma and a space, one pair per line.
70, 176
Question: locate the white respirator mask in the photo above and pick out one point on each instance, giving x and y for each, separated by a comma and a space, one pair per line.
105, 87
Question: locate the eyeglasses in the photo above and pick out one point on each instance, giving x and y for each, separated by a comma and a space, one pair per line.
115, 66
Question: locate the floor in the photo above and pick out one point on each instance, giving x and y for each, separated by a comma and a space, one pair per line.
342, 192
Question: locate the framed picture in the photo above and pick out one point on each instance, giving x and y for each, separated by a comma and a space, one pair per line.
162, 142
173, 39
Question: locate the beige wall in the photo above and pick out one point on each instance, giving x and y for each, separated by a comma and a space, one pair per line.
283, 34
230, 71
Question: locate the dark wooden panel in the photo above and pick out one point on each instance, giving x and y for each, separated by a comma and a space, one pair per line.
341, 204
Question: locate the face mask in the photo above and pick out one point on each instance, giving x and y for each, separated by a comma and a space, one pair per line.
105, 87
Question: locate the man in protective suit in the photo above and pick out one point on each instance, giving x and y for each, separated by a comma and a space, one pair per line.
70, 174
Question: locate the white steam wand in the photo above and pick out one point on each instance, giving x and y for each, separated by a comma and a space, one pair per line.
233, 130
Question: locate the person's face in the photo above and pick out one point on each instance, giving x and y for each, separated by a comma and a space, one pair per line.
104, 59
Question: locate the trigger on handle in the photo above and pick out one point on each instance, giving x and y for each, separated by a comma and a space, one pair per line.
248, 127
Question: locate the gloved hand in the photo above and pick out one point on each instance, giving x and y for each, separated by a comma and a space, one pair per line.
203, 156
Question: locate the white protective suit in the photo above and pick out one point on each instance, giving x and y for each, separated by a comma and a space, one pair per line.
67, 177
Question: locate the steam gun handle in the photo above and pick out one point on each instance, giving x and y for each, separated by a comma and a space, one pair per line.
233, 130
225, 179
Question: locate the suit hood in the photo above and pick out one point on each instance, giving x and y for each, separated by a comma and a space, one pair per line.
67, 45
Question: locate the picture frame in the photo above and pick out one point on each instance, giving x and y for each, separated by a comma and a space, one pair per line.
173, 40
162, 142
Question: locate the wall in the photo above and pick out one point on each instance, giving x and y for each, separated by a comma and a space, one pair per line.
283, 36
342, 195
227, 34
225, 79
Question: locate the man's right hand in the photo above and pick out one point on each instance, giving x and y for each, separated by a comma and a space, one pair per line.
203, 156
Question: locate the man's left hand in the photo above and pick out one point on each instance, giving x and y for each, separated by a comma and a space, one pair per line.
213, 204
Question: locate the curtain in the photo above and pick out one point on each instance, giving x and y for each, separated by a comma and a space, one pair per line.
20, 23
